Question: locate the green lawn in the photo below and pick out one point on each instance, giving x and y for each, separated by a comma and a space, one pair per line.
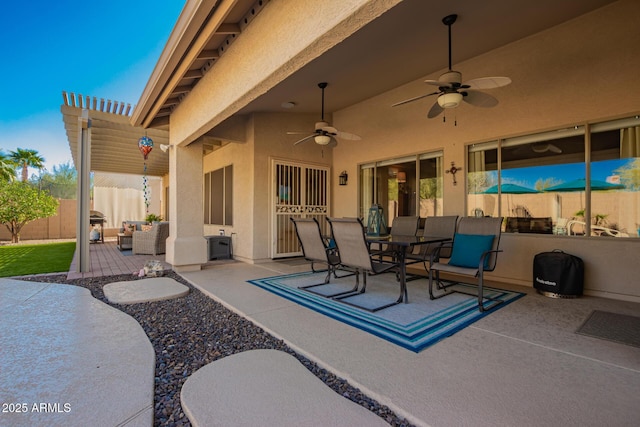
21, 260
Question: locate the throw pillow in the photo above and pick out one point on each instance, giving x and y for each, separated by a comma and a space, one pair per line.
128, 229
468, 248
146, 227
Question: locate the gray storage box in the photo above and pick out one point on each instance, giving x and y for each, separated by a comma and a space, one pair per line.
219, 247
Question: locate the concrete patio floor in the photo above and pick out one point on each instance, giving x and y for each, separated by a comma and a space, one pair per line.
522, 365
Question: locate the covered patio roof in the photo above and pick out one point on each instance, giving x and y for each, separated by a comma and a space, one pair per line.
407, 42
114, 140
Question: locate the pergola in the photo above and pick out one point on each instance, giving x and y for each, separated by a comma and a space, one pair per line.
102, 139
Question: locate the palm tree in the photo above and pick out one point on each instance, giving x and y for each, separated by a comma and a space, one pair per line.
7, 171
25, 159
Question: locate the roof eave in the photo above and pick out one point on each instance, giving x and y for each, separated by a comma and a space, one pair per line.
189, 23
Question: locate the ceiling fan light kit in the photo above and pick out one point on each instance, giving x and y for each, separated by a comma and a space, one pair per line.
324, 133
450, 100
322, 139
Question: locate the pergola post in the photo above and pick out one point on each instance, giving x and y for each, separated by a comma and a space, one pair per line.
83, 166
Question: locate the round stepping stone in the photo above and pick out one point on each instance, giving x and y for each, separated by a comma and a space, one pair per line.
266, 388
144, 290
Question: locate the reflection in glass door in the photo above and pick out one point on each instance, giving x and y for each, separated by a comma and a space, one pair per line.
405, 186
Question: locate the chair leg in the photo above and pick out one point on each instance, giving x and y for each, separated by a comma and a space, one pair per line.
327, 279
441, 286
355, 290
335, 273
481, 297
361, 291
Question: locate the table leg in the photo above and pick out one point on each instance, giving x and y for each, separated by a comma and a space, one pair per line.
403, 276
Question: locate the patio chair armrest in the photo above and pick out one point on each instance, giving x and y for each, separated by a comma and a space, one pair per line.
435, 254
484, 255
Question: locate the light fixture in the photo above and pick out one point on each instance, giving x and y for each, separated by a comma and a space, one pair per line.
322, 139
450, 100
401, 177
343, 177
288, 105
164, 147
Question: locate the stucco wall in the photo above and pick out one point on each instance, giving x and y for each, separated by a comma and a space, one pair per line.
267, 140
240, 155
583, 70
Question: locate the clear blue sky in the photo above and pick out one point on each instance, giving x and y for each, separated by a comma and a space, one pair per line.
105, 49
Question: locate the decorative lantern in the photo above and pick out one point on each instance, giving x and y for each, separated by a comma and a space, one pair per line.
145, 145
376, 224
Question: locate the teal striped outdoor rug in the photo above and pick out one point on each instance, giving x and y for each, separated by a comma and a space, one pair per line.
414, 326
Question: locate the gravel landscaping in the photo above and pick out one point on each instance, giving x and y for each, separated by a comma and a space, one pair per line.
190, 332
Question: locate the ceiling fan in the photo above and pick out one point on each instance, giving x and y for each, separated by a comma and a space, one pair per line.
545, 147
324, 133
524, 151
451, 90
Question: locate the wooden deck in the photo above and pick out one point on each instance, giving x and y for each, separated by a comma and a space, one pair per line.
107, 260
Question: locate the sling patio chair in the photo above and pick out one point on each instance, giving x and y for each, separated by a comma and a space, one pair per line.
401, 226
475, 250
351, 241
434, 226
316, 250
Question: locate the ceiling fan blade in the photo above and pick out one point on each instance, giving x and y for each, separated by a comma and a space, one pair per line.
435, 110
329, 129
480, 99
297, 133
406, 101
555, 149
439, 83
488, 82
306, 138
347, 135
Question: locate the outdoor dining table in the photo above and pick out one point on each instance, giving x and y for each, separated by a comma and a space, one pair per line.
399, 245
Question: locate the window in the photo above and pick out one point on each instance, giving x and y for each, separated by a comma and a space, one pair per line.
404, 186
218, 196
551, 181
615, 178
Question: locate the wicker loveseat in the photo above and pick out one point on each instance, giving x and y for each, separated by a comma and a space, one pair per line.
151, 242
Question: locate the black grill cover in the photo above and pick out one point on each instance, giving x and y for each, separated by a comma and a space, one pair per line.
558, 274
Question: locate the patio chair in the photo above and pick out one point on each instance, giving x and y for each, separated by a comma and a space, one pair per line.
435, 226
351, 241
475, 250
315, 249
152, 242
401, 226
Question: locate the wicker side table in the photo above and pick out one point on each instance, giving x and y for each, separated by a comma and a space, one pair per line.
125, 242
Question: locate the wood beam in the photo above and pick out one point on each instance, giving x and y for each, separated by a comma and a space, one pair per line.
193, 74
209, 54
228, 29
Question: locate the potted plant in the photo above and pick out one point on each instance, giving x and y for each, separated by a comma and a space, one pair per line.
151, 218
